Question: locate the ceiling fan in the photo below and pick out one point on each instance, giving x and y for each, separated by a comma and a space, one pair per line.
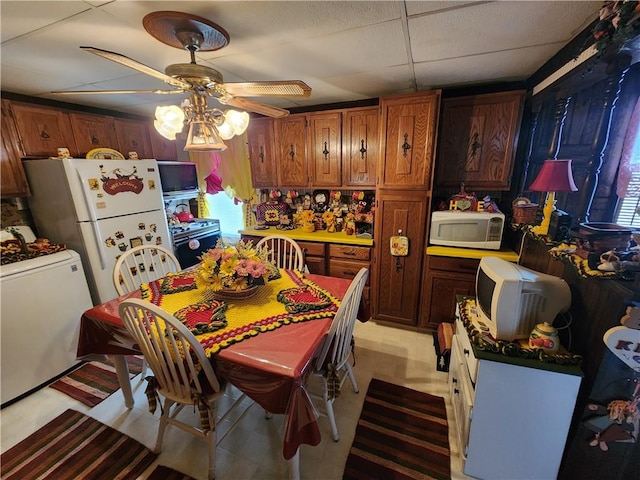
194, 33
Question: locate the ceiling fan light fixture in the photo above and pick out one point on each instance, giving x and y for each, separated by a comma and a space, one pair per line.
169, 121
239, 121
203, 137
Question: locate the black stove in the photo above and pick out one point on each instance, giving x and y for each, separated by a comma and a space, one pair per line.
192, 239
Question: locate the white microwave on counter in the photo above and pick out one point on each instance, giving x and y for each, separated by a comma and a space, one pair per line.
456, 228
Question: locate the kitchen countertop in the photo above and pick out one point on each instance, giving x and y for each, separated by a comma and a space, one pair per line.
317, 236
457, 252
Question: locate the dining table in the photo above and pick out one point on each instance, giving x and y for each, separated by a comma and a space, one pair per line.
267, 357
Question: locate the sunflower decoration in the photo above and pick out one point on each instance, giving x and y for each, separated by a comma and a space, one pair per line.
329, 220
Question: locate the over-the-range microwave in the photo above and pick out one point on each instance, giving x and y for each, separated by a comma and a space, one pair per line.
466, 229
178, 179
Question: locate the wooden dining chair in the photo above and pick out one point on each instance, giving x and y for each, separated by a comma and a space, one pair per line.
191, 380
142, 264
283, 251
332, 365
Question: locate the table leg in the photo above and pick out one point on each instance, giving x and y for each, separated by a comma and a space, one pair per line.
294, 466
122, 371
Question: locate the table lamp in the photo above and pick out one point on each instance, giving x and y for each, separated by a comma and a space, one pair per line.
554, 176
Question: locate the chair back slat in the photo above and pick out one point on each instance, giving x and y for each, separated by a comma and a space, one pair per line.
143, 264
336, 346
283, 252
173, 353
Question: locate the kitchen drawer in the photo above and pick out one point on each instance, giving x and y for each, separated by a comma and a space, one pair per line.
350, 252
467, 351
347, 269
314, 249
453, 264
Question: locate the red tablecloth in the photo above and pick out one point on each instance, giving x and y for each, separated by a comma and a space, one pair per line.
270, 367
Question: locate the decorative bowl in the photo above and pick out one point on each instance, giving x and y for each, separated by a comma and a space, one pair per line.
228, 294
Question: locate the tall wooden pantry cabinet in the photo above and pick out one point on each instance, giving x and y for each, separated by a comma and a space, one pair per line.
408, 127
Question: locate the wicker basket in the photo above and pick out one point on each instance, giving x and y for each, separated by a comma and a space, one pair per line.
524, 211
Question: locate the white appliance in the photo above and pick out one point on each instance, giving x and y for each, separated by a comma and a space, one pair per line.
100, 208
42, 301
466, 229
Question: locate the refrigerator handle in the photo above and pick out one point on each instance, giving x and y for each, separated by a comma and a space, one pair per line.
98, 238
94, 223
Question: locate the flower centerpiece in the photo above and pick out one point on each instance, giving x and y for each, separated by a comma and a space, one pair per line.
231, 271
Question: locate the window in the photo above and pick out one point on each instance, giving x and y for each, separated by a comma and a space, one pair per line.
628, 208
230, 215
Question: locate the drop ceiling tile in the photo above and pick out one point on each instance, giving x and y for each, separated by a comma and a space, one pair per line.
17, 18
496, 26
498, 66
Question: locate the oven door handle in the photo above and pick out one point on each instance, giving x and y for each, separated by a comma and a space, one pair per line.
196, 236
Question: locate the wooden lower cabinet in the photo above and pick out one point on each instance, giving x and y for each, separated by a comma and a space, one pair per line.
396, 280
345, 261
444, 279
314, 256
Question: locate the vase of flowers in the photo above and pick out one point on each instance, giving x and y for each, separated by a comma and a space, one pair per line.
234, 271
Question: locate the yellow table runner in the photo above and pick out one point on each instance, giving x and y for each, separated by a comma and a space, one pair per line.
217, 324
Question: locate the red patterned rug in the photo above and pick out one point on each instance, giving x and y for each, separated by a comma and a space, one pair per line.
402, 434
94, 381
75, 446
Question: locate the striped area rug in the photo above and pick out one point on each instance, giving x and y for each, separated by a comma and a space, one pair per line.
75, 446
94, 381
402, 434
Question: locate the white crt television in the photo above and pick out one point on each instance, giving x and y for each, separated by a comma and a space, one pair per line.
511, 299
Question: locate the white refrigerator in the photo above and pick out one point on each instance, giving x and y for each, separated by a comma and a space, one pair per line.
100, 209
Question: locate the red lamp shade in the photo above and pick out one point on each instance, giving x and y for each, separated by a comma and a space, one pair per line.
554, 176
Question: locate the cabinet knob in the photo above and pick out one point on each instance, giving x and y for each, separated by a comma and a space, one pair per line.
456, 391
454, 380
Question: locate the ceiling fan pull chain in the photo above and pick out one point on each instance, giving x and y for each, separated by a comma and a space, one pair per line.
362, 150
405, 145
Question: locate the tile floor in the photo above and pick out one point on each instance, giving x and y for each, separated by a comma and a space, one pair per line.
252, 450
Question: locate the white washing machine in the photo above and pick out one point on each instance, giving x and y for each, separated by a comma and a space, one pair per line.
41, 302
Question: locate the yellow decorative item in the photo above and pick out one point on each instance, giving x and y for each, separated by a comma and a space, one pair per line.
307, 219
234, 267
329, 219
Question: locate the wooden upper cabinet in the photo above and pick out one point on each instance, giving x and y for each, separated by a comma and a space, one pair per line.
13, 182
162, 148
360, 147
478, 138
133, 136
262, 152
42, 130
291, 150
93, 131
407, 140
325, 149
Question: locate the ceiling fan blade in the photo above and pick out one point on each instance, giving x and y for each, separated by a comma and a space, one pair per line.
256, 107
128, 62
109, 92
282, 88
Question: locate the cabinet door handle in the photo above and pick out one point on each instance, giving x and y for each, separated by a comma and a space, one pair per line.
44, 134
405, 145
465, 351
261, 154
362, 150
292, 153
325, 152
346, 272
475, 145
94, 140
349, 253
454, 380
456, 391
